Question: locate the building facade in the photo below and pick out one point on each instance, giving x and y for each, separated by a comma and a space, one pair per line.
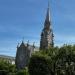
23, 54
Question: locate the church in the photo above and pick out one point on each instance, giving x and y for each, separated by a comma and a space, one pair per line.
24, 51
47, 33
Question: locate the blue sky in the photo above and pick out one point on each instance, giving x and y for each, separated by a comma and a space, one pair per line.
25, 18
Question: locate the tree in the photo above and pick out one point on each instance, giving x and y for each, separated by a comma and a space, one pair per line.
23, 72
6, 68
65, 62
55, 61
39, 65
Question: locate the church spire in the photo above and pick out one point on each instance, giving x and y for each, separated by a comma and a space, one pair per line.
48, 13
46, 40
48, 18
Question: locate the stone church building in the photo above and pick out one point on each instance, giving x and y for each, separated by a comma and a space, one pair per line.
23, 54
47, 33
24, 51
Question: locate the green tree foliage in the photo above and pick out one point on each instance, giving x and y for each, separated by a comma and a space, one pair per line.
65, 62
39, 65
55, 61
23, 72
6, 68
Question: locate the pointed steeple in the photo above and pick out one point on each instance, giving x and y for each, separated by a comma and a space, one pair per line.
47, 33
48, 13
48, 18
18, 45
28, 43
22, 44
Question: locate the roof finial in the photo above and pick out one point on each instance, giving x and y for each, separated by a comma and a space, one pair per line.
18, 45
22, 39
33, 44
28, 43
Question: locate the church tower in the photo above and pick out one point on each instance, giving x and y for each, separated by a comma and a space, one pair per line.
23, 55
46, 40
